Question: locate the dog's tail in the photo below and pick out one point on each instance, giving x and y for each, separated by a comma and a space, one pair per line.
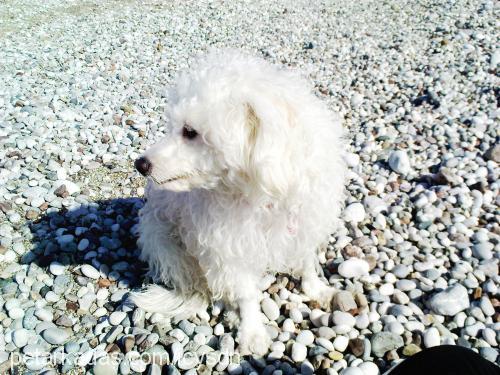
170, 303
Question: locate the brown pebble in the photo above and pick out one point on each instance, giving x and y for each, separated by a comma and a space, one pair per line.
104, 283
478, 292
314, 305
44, 206
411, 349
350, 251
372, 261
326, 364
417, 338
31, 214
357, 346
360, 300
112, 348
275, 288
128, 343
93, 342
61, 191
392, 355
71, 306
5, 206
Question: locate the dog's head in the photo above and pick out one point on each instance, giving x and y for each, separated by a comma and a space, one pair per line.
232, 124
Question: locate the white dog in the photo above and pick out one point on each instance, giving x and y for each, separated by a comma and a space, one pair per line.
249, 179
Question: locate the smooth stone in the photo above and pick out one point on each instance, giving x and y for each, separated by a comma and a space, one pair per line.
431, 337
341, 318
401, 271
90, 271
327, 344
83, 244
375, 205
56, 268
296, 315
188, 361
399, 162
411, 349
55, 336
20, 337
340, 343
353, 267
362, 321
44, 315
71, 347
386, 289
490, 354
383, 342
450, 301
483, 250
105, 366
288, 326
138, 365
270, 308
36, 363
16, 313
369, 368
117, 317
177, 351
305, 337
299, 352
354, 213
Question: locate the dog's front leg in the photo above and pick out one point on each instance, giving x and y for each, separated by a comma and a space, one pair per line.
252, 334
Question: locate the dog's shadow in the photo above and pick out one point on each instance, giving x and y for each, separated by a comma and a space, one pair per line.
102, 234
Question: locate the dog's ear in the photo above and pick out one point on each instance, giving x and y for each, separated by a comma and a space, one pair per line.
271, 128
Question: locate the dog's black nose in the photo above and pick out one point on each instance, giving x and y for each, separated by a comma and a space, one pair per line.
144, 166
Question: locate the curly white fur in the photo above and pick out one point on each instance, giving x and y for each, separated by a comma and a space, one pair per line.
260, 189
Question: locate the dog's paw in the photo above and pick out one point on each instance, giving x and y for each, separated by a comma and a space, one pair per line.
320, 293
325, 296
343, 301
253, 340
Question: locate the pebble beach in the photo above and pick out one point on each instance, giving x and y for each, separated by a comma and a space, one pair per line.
82, 94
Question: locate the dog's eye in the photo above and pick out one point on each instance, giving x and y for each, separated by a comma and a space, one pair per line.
188, 132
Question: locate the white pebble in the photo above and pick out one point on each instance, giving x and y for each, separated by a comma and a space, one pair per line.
44, 315
20, 337
117, 317
340, 343
288, 325
305, 337
431, 337
56, 268
450, 301
386, 289
90, 271
299, 352
270, 308
296, 315
354, 213
352, 371
353, 267
399, 162
369, 368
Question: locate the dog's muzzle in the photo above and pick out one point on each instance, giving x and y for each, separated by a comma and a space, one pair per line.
144, 166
